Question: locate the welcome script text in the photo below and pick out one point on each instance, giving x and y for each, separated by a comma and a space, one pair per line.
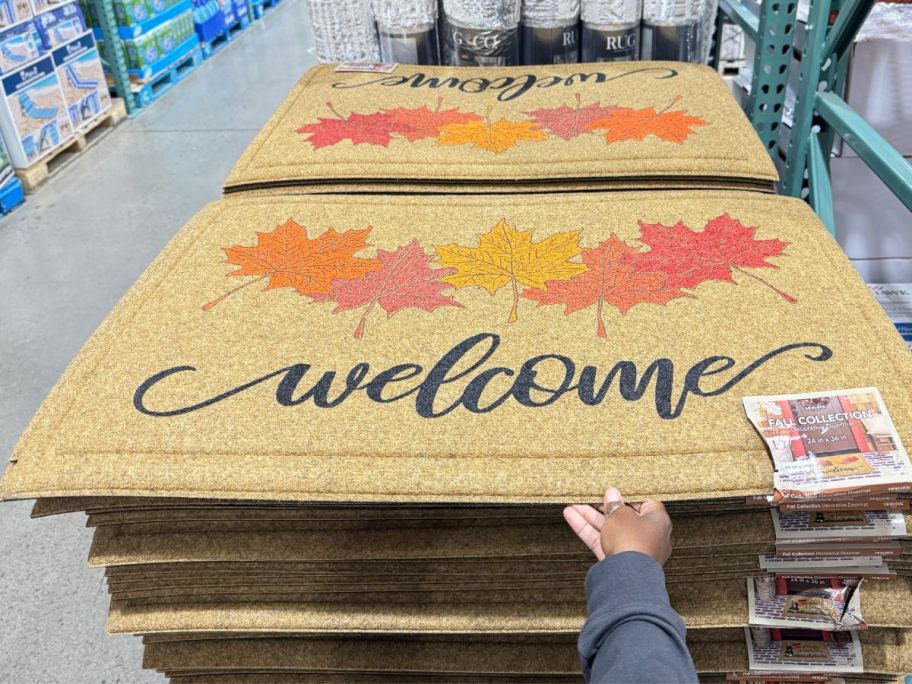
466, 377
509, 87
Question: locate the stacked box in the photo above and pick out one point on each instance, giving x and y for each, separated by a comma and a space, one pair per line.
14, 11
241, 9
60, 25
227, 8
33, 116
82, 79
19, 45
129, 12
146, 49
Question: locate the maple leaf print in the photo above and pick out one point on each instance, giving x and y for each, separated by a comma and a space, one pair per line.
289, 258
690, 257
608, 281
506, 256
405, 281
625, 123
569, 122
494, 136
423, 122
371, 129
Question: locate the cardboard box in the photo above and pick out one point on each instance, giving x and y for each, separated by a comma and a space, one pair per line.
82, 79
60, 25
148, 48
14, 11
39, 6
129, 12
33, 116
19, 45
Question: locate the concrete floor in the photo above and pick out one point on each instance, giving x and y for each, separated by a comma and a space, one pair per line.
66, 257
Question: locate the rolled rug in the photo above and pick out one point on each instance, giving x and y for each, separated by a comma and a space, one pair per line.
407, 31
481, 32
611, 30
550, 31
344, 31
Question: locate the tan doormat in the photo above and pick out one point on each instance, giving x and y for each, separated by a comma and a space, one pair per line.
503, 349
466, 129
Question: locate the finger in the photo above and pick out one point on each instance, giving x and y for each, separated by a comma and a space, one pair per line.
590, 536
652, 508
591, 514
613, 500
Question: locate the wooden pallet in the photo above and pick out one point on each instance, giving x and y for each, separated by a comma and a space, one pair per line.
40, 171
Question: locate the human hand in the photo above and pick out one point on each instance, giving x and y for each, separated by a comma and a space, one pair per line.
622, 527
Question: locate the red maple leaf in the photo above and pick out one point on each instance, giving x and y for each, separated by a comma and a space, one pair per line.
608, 281
404, 281
289, 258
689, 257
424, 122
371, 129
568, 122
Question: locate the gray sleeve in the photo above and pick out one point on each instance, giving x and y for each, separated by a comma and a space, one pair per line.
632, 634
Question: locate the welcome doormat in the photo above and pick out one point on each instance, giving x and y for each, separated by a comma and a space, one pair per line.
499, 349
467, 129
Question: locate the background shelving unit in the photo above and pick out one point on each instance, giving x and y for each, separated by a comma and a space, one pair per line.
136, 98
822, 48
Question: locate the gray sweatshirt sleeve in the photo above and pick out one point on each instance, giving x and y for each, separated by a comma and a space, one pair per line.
632, 634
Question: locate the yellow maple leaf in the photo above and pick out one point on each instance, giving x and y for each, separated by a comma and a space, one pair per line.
507, 256
495, 136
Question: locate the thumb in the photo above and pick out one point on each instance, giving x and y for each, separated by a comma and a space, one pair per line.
652, 508
613, 500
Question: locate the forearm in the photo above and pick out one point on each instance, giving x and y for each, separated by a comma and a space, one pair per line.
632, 633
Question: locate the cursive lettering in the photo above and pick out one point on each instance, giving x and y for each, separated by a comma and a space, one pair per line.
479, 388
508, 87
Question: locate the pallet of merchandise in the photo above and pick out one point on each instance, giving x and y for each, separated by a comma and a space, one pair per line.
151, 83
11, 195
220, 41
33, 176
262, 7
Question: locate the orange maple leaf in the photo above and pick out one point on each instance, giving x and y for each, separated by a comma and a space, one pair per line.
495, 136
625, 123
608, 281
289, 258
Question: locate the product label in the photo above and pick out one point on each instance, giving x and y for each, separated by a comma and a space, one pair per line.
463, 46
842, 441
72, 50
611, 44
556, 45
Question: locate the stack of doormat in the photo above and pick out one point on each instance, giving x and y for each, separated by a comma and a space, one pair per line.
328, 434
327, 439
606, 126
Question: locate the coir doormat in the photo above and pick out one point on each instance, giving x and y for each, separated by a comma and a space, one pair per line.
471, 130
502, 349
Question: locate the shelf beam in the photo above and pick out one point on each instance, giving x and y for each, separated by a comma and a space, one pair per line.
871, 147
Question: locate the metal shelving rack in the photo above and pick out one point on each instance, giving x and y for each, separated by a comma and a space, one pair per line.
820, 112
114, 51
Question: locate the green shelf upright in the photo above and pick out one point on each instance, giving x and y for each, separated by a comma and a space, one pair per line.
114, 53
820, 112
771, 30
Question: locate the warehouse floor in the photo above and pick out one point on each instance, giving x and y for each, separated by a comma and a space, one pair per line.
66, 257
